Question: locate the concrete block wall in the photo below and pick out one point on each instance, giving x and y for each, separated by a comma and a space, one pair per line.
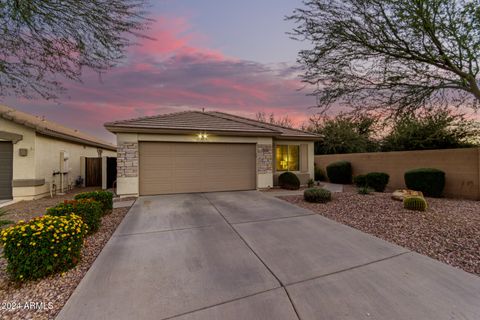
461, 166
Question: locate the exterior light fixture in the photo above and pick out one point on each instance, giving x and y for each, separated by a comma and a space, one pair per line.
202, 136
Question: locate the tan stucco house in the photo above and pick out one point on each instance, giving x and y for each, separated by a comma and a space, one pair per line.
197, 151
37, 155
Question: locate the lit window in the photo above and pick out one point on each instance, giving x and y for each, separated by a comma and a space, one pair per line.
286, 157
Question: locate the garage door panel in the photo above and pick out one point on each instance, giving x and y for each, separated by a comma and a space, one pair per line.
6, 169
161, 171
181, 163
196, 167
187, 151
157, 178
222, 186
155, 149
152, 189
158, 161
186, 187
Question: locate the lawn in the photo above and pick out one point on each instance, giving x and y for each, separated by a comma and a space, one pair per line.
448, 231
50, 294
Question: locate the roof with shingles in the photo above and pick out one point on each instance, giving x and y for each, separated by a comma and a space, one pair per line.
52, 129
214, 121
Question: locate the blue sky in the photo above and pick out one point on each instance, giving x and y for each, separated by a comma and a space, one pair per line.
250, 30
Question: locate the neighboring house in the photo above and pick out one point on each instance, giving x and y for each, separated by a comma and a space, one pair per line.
37, 155
197, 151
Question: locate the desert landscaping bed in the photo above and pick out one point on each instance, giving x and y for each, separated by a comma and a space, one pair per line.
25, 210
448, 231
43, 299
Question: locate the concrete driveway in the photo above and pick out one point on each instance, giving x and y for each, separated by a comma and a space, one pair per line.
246, 255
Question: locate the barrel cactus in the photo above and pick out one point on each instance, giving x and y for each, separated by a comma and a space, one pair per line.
317, 195
415, 203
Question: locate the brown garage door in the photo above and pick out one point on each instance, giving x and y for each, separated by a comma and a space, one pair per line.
6, 167
195, 167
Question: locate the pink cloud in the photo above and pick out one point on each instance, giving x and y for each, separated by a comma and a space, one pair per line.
170, 36
175, 71
256, 92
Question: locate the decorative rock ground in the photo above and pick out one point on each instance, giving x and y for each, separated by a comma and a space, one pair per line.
402, 193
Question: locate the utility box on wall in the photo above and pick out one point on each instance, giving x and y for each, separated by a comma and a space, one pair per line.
64, 167
23, 152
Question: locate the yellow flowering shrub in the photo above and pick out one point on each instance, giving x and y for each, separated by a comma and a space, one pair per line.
89, 209
43, 246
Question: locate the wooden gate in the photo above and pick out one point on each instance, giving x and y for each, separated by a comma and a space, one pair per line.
93, 172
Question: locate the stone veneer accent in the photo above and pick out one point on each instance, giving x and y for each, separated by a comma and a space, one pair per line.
127, 160
264, 158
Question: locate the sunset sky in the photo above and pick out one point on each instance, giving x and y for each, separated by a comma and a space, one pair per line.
233, 56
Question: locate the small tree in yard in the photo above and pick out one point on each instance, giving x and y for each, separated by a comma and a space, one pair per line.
431, 130
344, 134
396, 55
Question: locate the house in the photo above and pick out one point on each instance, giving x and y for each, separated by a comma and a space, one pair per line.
197, 151
38, 156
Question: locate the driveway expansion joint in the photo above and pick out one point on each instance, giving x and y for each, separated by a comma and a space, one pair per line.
272, 219
349, 269
222, 303
165, 230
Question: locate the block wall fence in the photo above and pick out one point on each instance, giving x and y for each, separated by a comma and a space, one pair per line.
461, 166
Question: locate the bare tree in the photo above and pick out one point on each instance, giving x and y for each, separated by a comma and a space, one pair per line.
391, 54
284, 121
43, 42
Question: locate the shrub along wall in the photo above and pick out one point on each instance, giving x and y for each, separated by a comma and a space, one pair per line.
461, 166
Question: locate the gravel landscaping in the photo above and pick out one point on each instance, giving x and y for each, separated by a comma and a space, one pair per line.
448, 231
25, 210
43, 299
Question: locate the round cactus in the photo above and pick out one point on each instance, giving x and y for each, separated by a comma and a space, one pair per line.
317, 195
415, 203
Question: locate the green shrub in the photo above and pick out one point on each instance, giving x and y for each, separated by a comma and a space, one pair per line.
319, 174
429, 181
360, 180
340, 172
88, 209
43, 246
377, 180
310, 183
317, 195
104, 197
364, 190
415, 203
289, 180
